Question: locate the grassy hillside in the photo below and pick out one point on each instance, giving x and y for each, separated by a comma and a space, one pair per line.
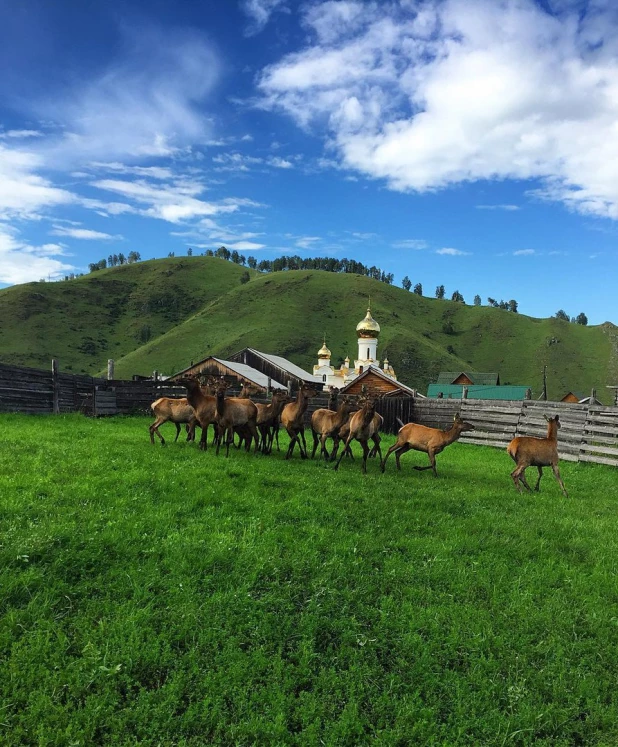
107, 314
194, 307
288, 313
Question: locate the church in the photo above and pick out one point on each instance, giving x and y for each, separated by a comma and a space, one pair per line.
367, 331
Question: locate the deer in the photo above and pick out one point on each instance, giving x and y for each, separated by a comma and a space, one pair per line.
175, 410
268, 418
378, 421
528, 451
327, 424
204, 406
429, 440
361, 428
292, 419
234, 412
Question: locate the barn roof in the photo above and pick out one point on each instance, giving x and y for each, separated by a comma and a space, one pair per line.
476, 391
476, 377
288, 366
246, 372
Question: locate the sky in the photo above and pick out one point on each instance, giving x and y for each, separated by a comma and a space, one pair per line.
465, 143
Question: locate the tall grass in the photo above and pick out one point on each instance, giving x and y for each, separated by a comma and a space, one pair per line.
166, 596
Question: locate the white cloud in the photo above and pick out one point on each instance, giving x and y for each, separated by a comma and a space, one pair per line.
523, 252
452, 252
306, 242
280, 163
245, 246
259, 12
410, 244
172, 202
23, 193
498, 207
22, 263
20, 134
83, 233
147, 102
462, 90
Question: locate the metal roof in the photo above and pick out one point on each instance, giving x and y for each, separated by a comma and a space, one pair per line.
475, 391
252, 374
287, 365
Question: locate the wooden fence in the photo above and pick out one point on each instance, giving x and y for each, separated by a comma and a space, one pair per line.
588, 433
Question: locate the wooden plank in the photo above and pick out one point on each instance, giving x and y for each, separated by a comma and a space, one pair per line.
591, 448
598, 460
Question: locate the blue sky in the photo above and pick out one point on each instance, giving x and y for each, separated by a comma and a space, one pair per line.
469, 143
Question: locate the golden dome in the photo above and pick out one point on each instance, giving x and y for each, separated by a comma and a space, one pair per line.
324, 352
368, 327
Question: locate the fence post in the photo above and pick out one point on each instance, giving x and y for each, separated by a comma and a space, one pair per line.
269, 386
55, 387
289, 387
464, 392
110, 369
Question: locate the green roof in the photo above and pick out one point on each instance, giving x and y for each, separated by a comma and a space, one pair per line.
453, 391
476, 377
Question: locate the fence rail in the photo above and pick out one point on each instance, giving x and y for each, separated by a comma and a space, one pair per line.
588, 433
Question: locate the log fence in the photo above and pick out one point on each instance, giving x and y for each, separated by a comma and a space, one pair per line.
588, 433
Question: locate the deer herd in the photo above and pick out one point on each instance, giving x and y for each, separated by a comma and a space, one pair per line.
343, 422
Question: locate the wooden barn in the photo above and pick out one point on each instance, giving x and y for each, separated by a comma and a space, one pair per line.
235, 373
375, 382
274, 366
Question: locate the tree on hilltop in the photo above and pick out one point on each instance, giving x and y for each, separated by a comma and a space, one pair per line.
406, 283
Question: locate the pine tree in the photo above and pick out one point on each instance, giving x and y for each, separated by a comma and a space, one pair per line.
440, 291
418, 289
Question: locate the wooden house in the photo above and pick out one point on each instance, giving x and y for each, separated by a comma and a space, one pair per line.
376, 383
468, 377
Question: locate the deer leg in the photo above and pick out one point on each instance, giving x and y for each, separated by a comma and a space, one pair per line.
333, 454
365, 455
303, 452
522, 477
324, 450
315, 443
431, 465
518, 475
177, 431
154, 428
347, 443
376, 450
395, 446
399, 452
191, 431
204, 437
560, 482
255, 434
293, 438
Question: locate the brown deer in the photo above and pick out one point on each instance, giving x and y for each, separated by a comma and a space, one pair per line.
430, 440
293, 419
268, 418
378, 421
204, 405
361, 429
234, 412
527, 451
177, 411
327, 424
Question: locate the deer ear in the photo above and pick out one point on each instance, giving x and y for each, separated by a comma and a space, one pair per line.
546, 418
457, 417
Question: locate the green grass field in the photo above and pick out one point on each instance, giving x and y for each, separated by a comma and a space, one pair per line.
165, 596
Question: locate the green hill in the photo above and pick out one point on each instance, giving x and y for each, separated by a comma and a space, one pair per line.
194, 307
106, 314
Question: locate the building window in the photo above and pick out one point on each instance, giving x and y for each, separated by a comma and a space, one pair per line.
367, 353
324, 378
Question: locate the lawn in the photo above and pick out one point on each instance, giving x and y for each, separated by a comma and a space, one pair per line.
154, 595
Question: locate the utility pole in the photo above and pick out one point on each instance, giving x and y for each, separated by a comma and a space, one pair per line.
544, 383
